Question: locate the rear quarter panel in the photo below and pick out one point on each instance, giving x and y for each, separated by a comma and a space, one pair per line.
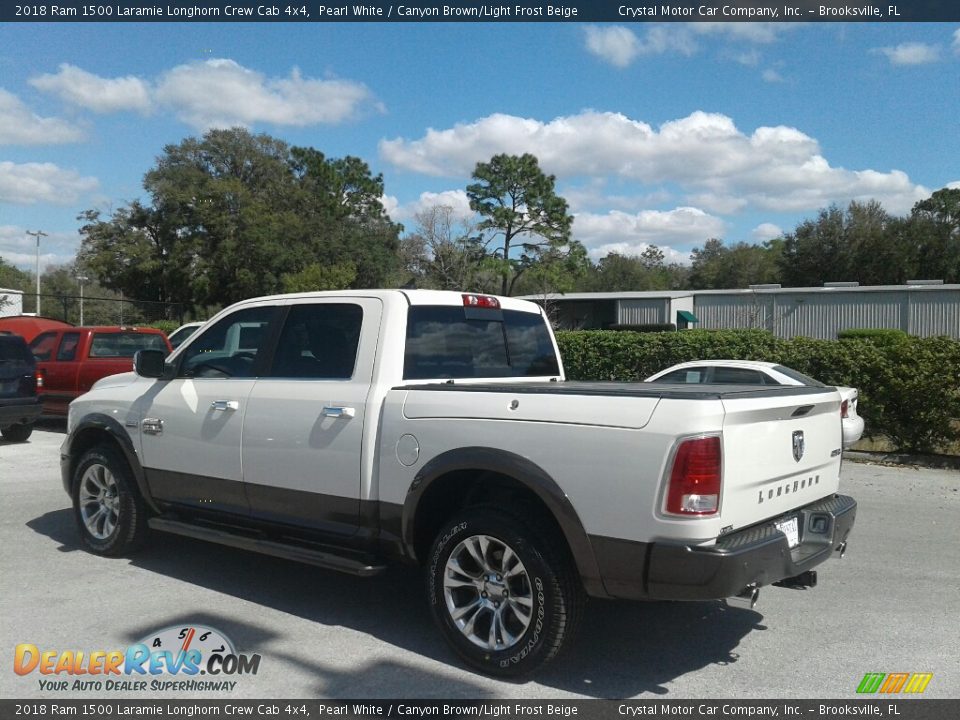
609, 463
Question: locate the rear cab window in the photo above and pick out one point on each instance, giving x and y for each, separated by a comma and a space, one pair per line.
450, 342
124, 344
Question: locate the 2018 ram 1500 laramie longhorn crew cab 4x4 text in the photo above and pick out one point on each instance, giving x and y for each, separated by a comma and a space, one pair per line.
348, 428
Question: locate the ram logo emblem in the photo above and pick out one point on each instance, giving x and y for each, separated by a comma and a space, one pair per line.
798, 445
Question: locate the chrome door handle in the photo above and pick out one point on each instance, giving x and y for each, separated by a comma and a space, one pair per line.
225, 405
339, 412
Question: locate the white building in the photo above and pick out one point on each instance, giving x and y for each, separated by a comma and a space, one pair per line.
11, 302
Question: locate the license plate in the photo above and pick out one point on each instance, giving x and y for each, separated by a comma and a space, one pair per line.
791, 529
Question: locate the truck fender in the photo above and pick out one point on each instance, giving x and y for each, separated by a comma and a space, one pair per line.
89, 432
528, 474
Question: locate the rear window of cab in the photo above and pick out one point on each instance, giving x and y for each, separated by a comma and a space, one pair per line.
124, 344
447, 342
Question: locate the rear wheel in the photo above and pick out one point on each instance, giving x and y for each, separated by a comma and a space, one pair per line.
108, 508
500, 594
17, 433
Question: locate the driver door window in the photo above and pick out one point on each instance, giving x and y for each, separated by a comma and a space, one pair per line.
231, 347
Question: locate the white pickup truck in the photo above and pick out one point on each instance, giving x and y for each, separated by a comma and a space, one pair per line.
355, 428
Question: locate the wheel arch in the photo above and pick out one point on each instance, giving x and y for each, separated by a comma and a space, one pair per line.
99, 429
469, 476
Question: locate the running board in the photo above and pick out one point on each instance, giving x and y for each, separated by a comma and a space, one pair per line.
330, 561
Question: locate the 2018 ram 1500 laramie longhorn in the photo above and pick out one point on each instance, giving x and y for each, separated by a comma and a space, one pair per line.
345, 429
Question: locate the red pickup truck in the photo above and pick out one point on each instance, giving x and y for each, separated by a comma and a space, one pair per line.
70, 360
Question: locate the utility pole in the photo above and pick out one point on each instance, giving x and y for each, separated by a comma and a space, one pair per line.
81, 279
37, 234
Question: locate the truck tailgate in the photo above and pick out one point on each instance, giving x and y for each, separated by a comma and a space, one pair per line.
778, 458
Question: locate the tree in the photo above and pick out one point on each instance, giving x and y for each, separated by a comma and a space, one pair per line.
520, 211
345, 221
716, 266
445, 253
234, 215
858, 244
320, 277
932, 234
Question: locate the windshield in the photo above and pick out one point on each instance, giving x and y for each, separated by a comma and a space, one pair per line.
443, 343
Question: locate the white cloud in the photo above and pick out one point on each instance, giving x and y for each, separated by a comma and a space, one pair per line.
28, 183
773, 168
628, 233
771, 76
20, 126
670, 256
956, 41
223, 93
456, 200
101, 95
616, 44
911, 53
766, 231
620, 46
755, 32
19, 249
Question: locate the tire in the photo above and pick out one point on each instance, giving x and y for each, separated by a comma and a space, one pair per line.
501, 594
17, 433
110, 513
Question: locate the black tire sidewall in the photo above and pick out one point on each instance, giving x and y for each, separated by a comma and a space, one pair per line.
131, 517
539, 642
17, 433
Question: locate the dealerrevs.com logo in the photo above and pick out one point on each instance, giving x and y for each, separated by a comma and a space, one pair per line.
186, 658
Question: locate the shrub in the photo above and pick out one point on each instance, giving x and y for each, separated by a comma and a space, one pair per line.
909, 390
886, 335
168, 326
650, 327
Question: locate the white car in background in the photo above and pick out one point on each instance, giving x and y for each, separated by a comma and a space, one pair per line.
754, 372
182, 333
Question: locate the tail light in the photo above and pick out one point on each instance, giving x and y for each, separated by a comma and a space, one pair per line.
38, 375
845, 409
694, 487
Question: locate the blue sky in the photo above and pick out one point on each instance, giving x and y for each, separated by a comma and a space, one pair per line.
664, 134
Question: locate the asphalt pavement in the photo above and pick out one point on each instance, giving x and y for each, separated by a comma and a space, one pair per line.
891, 605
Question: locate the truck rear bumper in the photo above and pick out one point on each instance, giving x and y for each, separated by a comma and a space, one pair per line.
753, 557
16, 411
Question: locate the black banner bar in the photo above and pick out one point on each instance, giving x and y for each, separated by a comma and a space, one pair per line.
619, 11
895, 708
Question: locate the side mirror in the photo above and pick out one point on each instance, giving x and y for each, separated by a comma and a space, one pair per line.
149, 363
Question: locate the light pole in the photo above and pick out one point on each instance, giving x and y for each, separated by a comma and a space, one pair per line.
37, 234
81, 279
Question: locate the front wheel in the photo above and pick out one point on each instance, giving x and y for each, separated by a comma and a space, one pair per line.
107, 505
500, 593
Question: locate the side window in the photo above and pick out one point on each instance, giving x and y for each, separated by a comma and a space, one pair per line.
68, 347
43, 345
684, 375
319, 342
737, 376
229, 348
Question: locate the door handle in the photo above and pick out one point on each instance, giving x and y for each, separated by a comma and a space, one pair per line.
339, 412
225, 405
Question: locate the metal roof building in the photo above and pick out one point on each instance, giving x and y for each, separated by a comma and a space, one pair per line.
922, 308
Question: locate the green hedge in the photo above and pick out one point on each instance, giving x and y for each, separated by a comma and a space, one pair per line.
886, 335
168, 326
909, 390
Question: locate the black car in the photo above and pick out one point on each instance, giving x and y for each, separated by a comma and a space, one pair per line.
19, 405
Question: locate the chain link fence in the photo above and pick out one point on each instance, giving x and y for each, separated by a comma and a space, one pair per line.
87, 310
